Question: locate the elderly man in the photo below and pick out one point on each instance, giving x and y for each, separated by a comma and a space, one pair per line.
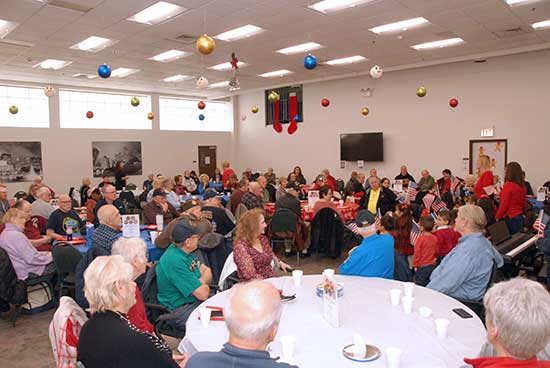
41, 206
237, 195
377, 198
518, 324
102, 242
212, 210
227, 172
465, 272
182, 280
265, 193
4, 203
159, 206
252, 316
270, 176
331, 182
404, 175
427, 182
253, 198
64, 218
110, 196
359, 185
33, 226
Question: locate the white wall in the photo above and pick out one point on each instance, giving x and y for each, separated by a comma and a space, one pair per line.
511, 93
67, 153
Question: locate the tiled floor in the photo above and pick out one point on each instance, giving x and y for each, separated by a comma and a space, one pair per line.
28, 345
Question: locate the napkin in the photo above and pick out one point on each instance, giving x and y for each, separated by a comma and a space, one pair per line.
358, 349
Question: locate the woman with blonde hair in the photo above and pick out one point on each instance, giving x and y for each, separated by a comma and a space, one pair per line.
204, 183
251, 249
485, 175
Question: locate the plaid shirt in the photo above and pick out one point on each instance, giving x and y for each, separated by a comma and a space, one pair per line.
251, 200
103, 238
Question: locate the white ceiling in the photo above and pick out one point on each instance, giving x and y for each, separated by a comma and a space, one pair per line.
52, 29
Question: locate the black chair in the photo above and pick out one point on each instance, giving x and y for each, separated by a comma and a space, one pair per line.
20, 195
129, 200
327, 233
340, 185
283, 228
66, 258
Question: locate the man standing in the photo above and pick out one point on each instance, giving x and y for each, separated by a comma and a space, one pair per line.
110, 196
64, 218
253, 198
159, 206
41, 206
377, 198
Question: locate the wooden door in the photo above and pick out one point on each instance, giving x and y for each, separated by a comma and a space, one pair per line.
207, 160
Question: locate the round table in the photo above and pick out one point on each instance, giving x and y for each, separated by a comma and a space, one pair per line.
366, 310
347, 211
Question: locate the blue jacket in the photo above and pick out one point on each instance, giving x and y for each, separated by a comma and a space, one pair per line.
231, 356
374, 257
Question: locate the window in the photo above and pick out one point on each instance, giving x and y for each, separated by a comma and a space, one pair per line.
32, 105
179, 114
284, 105
110, 111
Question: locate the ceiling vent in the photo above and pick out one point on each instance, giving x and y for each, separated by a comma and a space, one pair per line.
185, 39
511, 32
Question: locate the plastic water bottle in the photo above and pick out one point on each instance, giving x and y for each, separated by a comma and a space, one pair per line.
69, 233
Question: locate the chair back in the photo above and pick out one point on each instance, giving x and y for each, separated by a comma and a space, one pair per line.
229, 268
12, 290
129, 200
241, 208
19, 195
340, 185
149, 292
283, 221
327, 232
65, 258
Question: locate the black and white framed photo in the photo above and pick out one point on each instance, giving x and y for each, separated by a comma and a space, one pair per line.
20, 161
106, 155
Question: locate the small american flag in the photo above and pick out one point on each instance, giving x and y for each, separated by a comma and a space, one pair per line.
411, 192
428, 200
454, 183
438, 205
377, 219
541, 222
437, 193
415, 233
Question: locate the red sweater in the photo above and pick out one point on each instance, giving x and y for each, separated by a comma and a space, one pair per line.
225, 176
484, 180
498, 362
512, 200
425, 250
137, 316
447, 239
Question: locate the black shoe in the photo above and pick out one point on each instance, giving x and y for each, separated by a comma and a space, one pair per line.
290, 254
305, 255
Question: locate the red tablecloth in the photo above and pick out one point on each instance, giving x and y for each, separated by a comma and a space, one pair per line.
347, 211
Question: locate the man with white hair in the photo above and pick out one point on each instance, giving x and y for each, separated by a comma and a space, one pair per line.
41, 206
63, 218
426, 182
252, 317
518, 324
404, 175
253, 198
466, 271
110, 196
377, 198
331, 181
265, 194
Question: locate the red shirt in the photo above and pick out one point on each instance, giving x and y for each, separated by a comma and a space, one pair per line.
403, 239
498, 362
512, 200
137, 315
331, 182
425, 250
226, 174
447, 239
484, 180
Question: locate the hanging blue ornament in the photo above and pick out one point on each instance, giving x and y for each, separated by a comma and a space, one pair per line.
297, 118
310, 62
201, 117
104, 71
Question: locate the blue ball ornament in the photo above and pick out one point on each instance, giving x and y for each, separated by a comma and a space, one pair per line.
104, 71
310, 62
297, 118
201, 117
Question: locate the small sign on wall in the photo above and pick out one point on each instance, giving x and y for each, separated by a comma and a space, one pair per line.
487, 132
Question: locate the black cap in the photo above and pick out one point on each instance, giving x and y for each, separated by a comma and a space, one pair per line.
183, 231
159, 192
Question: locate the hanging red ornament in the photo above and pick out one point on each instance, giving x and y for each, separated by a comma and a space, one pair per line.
325, 102
453, 102
89, 114
234, 62
201, 105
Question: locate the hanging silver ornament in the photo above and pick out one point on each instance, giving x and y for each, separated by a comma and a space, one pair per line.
234, 84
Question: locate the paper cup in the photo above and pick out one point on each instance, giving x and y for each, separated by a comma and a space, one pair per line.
205, 313
425, 312
442, 327
393, 356
409, 287
288, 343
153, 235
395, 295
407, 304
329, 273
297, 276
160, 222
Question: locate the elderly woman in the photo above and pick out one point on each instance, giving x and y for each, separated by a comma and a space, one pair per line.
251, 249
204, 183
281, 190
518, 325
109, 339
171, 196
134, 252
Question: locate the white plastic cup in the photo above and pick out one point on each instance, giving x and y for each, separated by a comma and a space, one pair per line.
442, 327
395, 295
329, 273
160, 222
288, 343
407, 304
409, 287
393, 356
425, 312
153, 235
297, 276
205, 314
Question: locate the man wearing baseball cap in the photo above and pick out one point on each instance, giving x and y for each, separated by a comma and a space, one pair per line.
182, 279
213, 211
159, 206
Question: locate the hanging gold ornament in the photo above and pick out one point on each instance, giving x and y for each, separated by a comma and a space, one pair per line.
273, 97
150, 116
365, 111
421, 91
255, 109
205, 44
134, 101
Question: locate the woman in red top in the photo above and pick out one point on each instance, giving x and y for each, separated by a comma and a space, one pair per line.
402, 243
512, 198
251, 251
485, 175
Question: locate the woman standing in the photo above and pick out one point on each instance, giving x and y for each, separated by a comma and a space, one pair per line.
485, 177
512, 198
120, 176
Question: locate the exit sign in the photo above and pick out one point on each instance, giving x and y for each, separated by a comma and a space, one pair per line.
487, 132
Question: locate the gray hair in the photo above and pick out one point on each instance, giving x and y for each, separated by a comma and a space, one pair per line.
258, 314
475, 216
130, 249
42, 191
519, 309
107, 186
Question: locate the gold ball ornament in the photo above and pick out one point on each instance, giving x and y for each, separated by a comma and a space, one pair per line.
134, 101
255, 109
14, 109
205, 44
365, 111
421, 91
150, 116
273, 97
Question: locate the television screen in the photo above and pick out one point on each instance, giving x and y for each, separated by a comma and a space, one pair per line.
362, 146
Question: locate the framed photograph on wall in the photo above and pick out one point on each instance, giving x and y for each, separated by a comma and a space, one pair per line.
496, 149
105, 156
20, 161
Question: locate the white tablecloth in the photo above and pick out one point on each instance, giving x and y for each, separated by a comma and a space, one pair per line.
366, 309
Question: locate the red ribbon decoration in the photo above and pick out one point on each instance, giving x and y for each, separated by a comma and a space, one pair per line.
276, 123
293, 112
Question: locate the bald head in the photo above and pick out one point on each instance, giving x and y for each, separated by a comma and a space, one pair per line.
253, 313
65, 203
255, 188
109, 215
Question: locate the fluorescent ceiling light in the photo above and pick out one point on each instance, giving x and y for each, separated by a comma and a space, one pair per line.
347, 60
227, 66
541, 25
330, 6
176, 78
84, 75
399, 26
304, 47
94, 44
123, 72
439, 44
171, 55
238, 33
158, 13
219, 84
52, 64
276, 73
517, 2
6, 27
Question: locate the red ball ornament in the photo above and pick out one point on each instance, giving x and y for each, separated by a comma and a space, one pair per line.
201, 105
453, 102
89, 114
325, 102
